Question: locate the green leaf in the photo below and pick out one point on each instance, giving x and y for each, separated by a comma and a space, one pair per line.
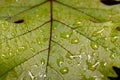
58, 40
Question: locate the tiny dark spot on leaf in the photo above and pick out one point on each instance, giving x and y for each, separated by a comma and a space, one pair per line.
110, 2
118, 28
19, 21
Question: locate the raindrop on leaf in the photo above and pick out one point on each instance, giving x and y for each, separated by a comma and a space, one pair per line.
94, 45
64, 70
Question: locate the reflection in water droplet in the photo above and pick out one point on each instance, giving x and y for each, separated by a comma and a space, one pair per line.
114, 38
75, 41
64, 70
42, 61
60, 62
94, 45
96, 33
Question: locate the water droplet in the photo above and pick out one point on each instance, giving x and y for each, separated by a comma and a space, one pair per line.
94, 45
90, 66
42, 61
22, 48
32, 49
114, 38
55, 37
60, 62
5, 56
38, 41
31, 75
68, 55
75, 41
64, 70
63, 35
66, 35
79, 23
96, 64
96, 33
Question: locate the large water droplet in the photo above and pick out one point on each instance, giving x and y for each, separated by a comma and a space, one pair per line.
94, 45
60, 62
75, 41
64, 70
114, 38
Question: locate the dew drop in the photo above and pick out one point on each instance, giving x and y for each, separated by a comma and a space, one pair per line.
60, 62
64, 70
90, 66
66, 35
32, 49
94, 45
114, 38
68, 55
38, 41
22, 48
75, 41
31, 75
42, 61
55, 37
96, 33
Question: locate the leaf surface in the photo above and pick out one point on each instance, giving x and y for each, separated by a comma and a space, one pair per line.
58, 40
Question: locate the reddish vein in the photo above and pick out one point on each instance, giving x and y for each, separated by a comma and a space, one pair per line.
50, 39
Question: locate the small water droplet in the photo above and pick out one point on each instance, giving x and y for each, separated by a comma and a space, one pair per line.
90, 66
31, 75
66, 35
22, 48
42, 61
96, 33
32, 49
64, 70
55, 37
38, 41
60, 62
68, 55
94, 45
75, 41
114, 38
79, 23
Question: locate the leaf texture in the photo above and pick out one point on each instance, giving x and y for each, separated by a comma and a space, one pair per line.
58, 40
